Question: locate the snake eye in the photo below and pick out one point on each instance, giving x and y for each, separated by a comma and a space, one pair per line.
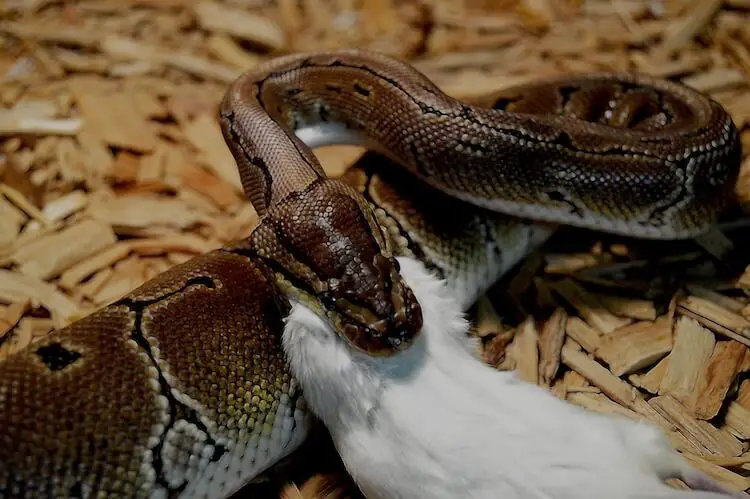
396, 265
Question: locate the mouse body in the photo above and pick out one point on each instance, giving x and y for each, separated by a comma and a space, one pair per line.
435, 421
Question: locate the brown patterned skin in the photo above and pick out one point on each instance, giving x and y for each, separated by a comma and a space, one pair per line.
356, 287
468, 246
154, 392
330, 253
619, 153
622, 153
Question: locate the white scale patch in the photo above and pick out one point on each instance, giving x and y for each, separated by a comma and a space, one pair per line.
322, 134
185, 452
187, 449
505, 247
248, 454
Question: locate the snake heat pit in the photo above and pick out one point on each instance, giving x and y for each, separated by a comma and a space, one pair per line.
181, 388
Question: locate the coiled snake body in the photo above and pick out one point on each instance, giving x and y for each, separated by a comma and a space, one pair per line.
181, 387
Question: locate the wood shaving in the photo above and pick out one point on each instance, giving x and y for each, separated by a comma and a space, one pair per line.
108, 126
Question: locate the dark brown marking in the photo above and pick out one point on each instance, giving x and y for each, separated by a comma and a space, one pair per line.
189, 415
503, 102
566, 92
361, 90
56, 357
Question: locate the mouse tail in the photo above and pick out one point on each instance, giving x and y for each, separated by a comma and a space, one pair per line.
674, 465
653, 447
700, 481
698, 494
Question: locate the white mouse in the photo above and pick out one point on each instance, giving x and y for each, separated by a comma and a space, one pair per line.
435, 422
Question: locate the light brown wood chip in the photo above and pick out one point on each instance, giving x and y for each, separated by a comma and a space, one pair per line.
629, 307
126, 277
15, 287
590, 308
205, 135
126, 48
11, 219
737, 420
115, 119
572, 382
551, 340
693, 346
714, 383
569, 264
77, 273
728, 478
487, 321
681, 32
217, 189
588, 337
49, 256
716, 318
52, 33
227, 50
19, 200
13, 314
136, 211
743, 394
614, 387
600, 403
636, 346
716, 80
241, 23
652, 379
525, 351
65, 206
712, 439
185, 243
716, 297
13, 125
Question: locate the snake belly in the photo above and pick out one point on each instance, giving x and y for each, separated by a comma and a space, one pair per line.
180, 389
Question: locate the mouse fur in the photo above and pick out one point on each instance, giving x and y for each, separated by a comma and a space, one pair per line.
435, 421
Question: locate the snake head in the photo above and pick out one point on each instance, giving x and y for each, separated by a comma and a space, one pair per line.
329, 253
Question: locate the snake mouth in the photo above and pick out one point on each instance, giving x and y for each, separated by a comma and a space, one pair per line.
367, 339
373, 335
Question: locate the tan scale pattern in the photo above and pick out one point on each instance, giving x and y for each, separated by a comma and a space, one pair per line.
656, 160
181, 377
76, 442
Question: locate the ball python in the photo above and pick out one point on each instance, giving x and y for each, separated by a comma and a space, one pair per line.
181, 389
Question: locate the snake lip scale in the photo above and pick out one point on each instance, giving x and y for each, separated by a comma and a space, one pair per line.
182, 388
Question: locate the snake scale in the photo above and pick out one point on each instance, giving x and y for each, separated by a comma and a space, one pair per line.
181, 388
